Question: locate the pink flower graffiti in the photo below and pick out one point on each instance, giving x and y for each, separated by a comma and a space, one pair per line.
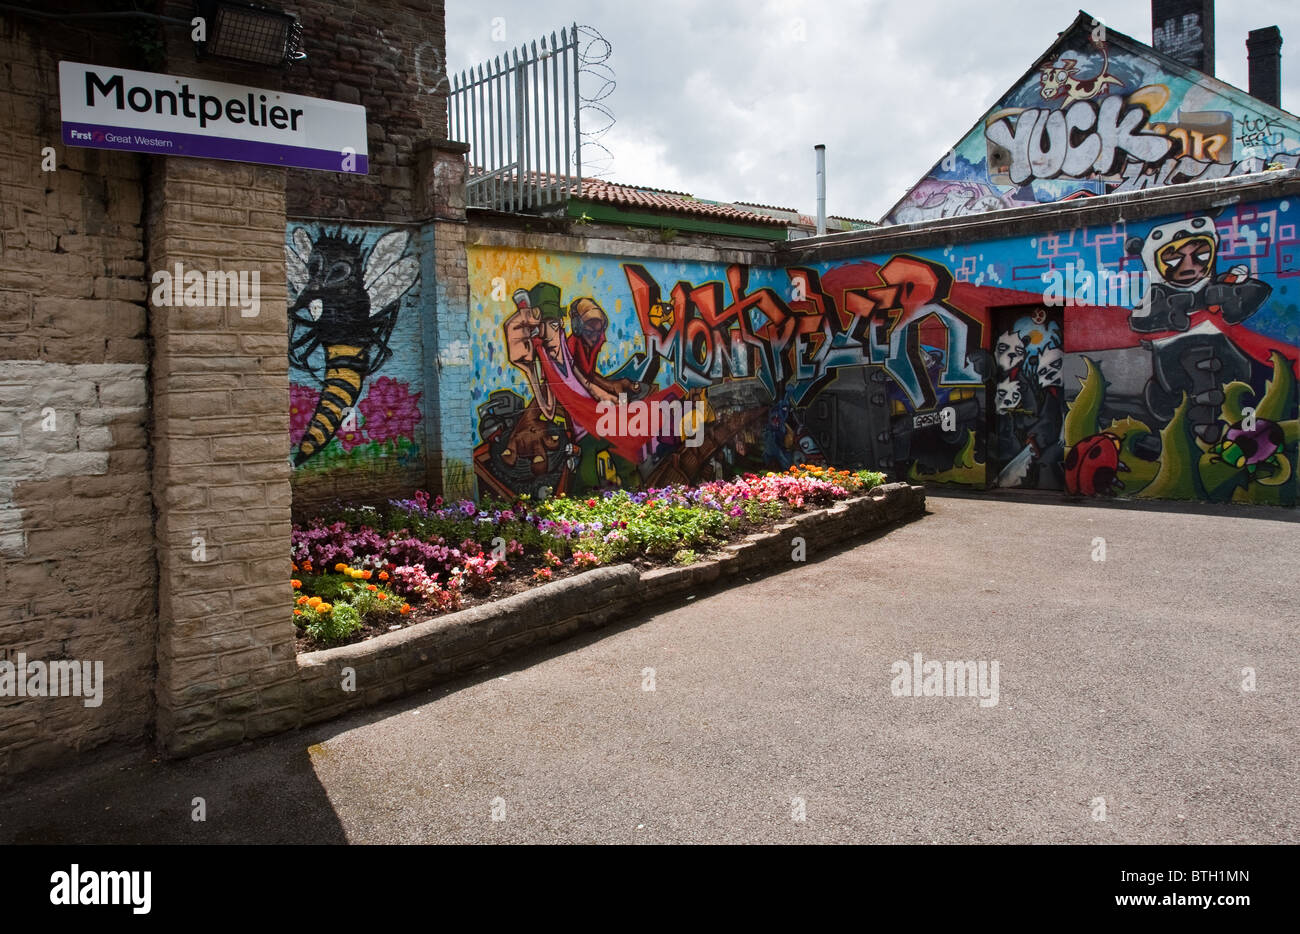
302, 405
390, 410
349, 438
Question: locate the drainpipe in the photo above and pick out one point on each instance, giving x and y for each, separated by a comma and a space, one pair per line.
821, 188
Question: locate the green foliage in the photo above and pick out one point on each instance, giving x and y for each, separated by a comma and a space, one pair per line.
327, 586
335, 626
869, 479
1081, 421
1178, 476
344, 606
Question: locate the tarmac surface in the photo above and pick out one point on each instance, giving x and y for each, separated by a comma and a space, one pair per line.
1120, 695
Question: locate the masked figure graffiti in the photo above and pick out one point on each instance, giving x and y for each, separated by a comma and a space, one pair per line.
537, 446
748, 364
937, 368
341, 317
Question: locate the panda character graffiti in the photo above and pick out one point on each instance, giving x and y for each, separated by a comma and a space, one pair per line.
1195, 307
1180, 262
345, 306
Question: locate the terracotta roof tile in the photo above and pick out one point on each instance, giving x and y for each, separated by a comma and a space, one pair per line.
654, 199
671, 202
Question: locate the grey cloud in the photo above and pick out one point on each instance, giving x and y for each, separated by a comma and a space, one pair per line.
722, 99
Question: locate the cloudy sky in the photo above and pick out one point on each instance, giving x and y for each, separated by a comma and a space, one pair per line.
725, 99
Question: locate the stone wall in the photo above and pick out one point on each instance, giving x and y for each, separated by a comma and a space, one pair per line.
390, 58
77, 575
221, 483
145, 488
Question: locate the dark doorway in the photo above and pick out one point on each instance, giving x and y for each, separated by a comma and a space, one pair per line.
1028, 411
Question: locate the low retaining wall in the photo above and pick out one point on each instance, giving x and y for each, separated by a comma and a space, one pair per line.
409, 660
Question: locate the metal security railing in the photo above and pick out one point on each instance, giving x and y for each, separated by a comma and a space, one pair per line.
520, 115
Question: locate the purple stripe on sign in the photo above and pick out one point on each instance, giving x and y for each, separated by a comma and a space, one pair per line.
167, 143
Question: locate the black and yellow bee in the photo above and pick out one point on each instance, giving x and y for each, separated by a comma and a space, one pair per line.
347, 306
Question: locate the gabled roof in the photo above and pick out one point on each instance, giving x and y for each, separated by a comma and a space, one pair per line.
963, 181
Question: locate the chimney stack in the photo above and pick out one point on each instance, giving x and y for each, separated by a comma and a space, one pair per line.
1264, 53
1184, 30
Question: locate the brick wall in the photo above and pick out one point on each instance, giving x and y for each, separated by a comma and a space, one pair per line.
77, 577
440, 196
388, 56
145, 489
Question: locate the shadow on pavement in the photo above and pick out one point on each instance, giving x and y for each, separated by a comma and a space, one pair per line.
265, 791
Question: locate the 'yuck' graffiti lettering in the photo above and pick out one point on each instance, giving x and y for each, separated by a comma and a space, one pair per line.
1048, 143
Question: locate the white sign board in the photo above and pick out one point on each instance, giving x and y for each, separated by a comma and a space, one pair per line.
138, 111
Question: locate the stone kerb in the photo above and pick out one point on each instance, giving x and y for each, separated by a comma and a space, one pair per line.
335, 681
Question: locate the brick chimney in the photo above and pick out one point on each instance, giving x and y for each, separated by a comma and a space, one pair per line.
1184, 30
1264, 52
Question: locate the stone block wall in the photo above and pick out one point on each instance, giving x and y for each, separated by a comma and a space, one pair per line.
221, 481
145, 484
77, 575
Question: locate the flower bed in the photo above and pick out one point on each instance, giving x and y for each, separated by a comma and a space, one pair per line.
360, 572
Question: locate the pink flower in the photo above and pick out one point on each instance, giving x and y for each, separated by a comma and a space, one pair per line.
390, 410
349, 439
302, 406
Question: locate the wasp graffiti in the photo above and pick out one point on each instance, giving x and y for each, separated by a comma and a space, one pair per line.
344, 306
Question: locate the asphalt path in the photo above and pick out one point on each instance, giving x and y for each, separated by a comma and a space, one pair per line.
1125, 711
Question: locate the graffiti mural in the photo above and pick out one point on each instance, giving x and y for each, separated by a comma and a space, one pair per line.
1149, 359
1101, 113
1029, 404
761, 359
346, 324
1203, 404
